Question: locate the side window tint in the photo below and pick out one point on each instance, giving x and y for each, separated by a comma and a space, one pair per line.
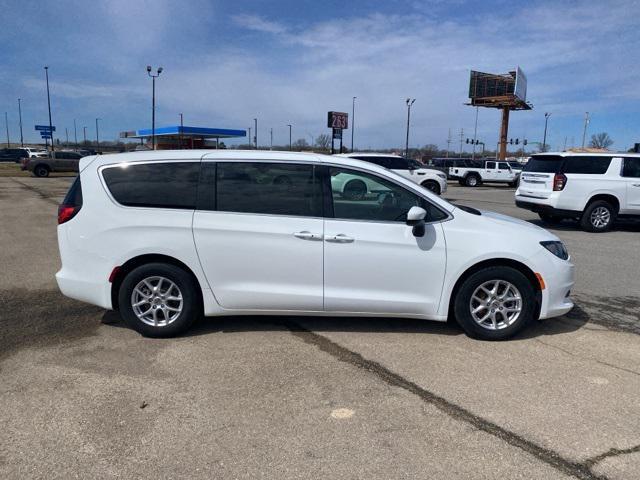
160, 185
397, 163
631, 167
503, 166
362, 196
587, 165
268, 188
491, 165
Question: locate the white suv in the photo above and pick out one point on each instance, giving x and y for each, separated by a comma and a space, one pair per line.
593, 188
429, 178
168, 236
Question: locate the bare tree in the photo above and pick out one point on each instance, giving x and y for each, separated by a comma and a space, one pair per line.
323, 141
601, 140
300, 143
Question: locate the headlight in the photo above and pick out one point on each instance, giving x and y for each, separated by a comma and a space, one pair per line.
442, 175
557, 248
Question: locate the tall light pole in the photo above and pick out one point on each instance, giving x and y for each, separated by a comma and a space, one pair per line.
66, 131
409, 103
290, 144
75, 132
587, 119
6, 122
84, 129
20, 116
544, 139
255, 138
353, 119
153, 103
97, 133
271, 135
250, 138
46, 73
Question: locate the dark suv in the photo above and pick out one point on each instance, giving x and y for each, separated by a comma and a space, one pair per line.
13, 154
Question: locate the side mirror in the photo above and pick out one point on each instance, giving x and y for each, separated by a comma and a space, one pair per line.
415, 219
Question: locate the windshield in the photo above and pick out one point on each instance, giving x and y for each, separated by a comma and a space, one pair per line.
544, 164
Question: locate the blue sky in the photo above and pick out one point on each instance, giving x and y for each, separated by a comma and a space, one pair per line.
291, 61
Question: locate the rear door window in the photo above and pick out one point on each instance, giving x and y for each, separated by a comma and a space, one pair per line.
594, 165
491, 165
159, 185
268, 189
631, 167
503, 166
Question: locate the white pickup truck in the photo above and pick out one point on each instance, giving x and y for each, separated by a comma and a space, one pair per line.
494, 172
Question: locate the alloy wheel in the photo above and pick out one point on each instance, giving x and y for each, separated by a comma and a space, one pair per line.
496, 304
157, 301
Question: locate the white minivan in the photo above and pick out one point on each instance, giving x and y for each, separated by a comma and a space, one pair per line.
594, 188
168, 236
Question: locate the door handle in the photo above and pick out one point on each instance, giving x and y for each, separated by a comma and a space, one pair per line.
305, 235
340, 238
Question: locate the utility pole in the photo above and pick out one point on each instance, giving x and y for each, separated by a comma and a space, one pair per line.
85, 135
46, 72
75, 132
409, 102
97, 134
544, 139
20, 116
153, 103
461, 137
475, 136
6, 122
353, 119
587, 119
449, 143
271, 135
290, 144
250, 137
66, 131
255, 137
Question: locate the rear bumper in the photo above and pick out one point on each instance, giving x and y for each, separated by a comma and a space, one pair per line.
539, 207
86, 291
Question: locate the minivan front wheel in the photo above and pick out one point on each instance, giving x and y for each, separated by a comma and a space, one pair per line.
495, 303
159, 300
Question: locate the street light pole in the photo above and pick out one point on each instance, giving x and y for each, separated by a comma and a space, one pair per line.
544, 139
6, 122
255, 138
153, 103
353, 119
271, 135
290, 144
75, 132
46, 72
409, 103
20, 116
85, 135
586, 124
66, 131
97, 133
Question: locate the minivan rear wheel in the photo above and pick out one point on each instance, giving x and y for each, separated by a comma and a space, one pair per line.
159, 300
598, 216
495, 303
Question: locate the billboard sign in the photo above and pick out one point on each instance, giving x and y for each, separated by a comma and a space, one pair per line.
520, 89
338, 120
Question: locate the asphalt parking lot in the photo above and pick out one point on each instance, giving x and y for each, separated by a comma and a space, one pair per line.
246, 397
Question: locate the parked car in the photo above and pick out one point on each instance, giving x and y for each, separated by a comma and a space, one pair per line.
61, 161
13, 154
491, 171
167, 236
413, 170
592, 188
445, 164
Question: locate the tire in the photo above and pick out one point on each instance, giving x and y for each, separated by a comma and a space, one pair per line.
598, 217
190, 305
550, 219
472, 180
355, 190
461, 182
507, 323
41, 171
432, 186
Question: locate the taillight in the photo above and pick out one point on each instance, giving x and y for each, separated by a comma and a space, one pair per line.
559, 182
66, 213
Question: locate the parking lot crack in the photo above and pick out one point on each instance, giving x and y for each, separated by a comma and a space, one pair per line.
591, 359
37, 191
613, 452
546, 455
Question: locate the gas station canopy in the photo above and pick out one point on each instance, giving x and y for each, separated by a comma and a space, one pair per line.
189, 137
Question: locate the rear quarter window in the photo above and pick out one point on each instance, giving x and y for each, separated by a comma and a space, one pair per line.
587, 165
544, 164
158, 185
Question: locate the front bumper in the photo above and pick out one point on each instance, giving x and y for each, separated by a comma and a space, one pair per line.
558, 282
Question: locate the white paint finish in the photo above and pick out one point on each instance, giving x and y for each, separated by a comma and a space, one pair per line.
491, 172
262, 262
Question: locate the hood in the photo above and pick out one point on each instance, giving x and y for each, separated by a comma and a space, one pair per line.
515, 225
